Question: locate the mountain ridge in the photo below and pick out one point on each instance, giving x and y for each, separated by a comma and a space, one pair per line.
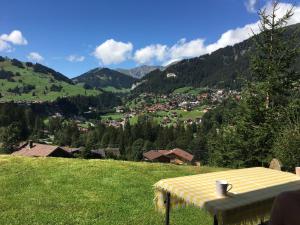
140, 71
104, 77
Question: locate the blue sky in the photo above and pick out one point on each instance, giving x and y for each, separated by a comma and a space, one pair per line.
75, 36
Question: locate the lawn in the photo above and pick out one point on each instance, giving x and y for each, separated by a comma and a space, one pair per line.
116, 90
76, 191
189, 90
113, 116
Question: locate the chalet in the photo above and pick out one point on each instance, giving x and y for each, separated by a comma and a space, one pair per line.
179, 156
156, 156
119, 109
171, 75
176, 156
41, 150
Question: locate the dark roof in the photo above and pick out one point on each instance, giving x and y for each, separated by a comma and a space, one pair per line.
71, 150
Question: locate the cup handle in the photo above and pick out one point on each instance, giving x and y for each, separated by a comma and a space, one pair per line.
231, 186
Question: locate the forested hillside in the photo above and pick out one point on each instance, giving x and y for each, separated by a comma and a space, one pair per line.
103, 78
225, 68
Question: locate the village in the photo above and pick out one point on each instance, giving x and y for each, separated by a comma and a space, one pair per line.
169, 109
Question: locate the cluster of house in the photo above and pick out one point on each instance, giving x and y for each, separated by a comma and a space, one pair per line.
176, 156
33, 149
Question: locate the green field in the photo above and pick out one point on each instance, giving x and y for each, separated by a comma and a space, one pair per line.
42, 83
116, 90
77, 191
189, 90
112, 116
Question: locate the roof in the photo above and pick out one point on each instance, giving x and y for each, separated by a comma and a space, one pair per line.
36, 150
71, 150
154, 154
181, 153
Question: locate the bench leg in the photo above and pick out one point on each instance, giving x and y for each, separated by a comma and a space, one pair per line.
168, 200
215, 220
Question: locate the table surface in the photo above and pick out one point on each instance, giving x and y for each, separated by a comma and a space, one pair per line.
250, 186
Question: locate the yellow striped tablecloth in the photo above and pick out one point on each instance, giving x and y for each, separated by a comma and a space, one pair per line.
249, 201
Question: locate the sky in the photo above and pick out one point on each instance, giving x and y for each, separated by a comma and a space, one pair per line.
75, 36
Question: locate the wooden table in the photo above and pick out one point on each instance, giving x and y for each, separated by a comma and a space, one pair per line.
250, 199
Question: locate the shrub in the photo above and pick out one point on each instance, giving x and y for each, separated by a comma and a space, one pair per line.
8, 75
56, 88
29, 64
17, 63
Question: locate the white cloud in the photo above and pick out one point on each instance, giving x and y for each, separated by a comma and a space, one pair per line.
113, 52
35, 57
250, 5
149, 53
193, 48
4, 46
75, 58
233, 36
15, 37
162, 53
184, 49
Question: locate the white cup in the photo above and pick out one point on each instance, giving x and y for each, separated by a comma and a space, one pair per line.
297, 171
222, 188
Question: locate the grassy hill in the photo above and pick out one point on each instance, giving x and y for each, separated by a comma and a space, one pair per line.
26, 81
75, 191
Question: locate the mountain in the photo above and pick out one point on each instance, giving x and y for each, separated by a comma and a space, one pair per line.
25, 81
104, 78
141, 71
224, 68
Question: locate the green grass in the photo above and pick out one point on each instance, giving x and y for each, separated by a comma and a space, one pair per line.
189, 90
41, 82
182, 90
116, 90
189, 114
76, 191
133, 120
113, 116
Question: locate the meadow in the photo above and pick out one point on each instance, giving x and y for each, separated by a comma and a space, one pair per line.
77, 191
42, 83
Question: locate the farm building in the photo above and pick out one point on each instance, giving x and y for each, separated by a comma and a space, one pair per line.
176, 156
41, 150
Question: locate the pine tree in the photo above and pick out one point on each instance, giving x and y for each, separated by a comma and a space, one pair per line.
271, 87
